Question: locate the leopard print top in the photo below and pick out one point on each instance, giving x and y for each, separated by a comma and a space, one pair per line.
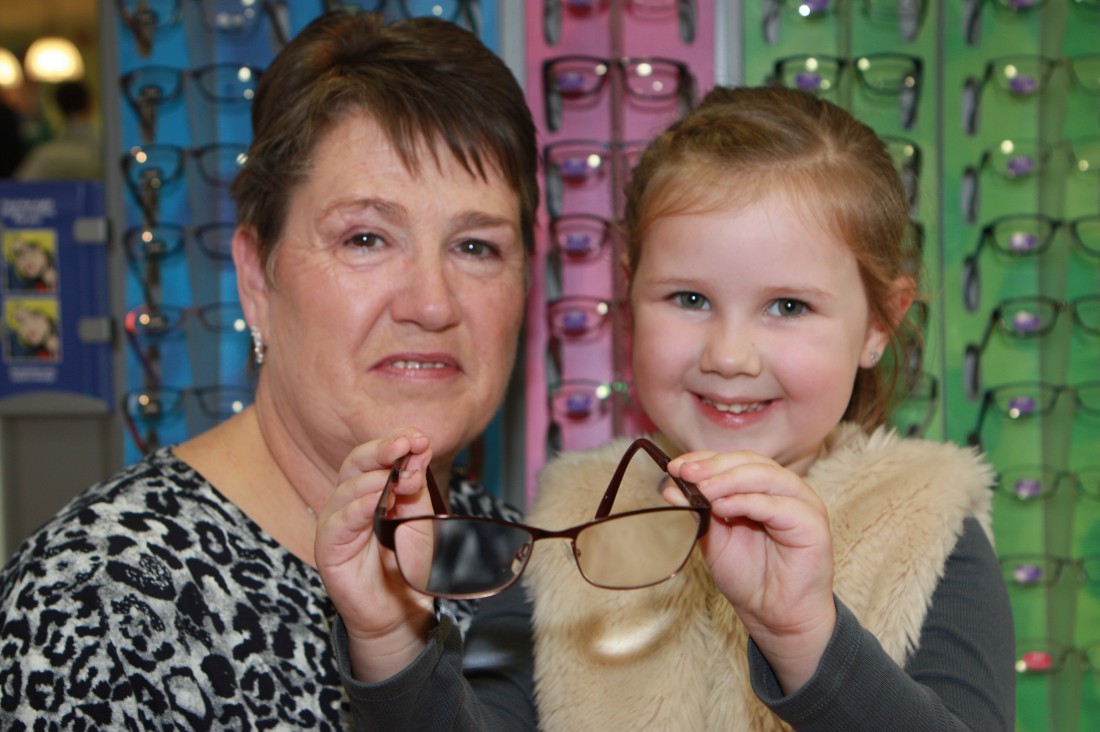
153, 602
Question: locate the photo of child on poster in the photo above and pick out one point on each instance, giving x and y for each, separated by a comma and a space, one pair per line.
30, 259
32, 330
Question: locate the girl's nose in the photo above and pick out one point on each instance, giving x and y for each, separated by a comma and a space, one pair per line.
730, 350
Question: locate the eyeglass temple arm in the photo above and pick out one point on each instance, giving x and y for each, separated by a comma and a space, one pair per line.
990, 326
694, 496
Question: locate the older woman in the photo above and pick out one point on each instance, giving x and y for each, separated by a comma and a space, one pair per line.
385, 219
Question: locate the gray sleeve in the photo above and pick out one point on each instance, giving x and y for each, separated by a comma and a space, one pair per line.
486, 684
961, 677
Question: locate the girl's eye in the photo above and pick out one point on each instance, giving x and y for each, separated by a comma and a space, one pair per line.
787, 307
691, 301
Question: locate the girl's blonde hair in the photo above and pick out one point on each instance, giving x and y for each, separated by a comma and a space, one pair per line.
740, 144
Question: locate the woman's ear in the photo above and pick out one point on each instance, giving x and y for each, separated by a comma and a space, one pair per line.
902, 294
252, 280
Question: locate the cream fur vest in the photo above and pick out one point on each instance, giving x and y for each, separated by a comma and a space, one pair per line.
673, 656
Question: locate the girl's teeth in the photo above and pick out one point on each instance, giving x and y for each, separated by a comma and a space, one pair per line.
418, 365
736, 408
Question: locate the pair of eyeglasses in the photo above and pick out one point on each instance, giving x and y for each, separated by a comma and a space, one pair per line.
1024, 318
584, 400
148, 246
146, 18
147, 411
580, 80
1024, 400
1045, 570
146, 321
466, 13
147, 326
680, 12
242, 17
580, 237
1048, 656
576, 164
906, 15
882, 75
578, 317
213, 239
149, 88
1034, 483
468, 557
148, 170
1025, 77
1017, 160
1021, 236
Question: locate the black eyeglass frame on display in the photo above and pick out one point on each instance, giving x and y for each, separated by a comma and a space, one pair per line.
1025, 318
1038, 232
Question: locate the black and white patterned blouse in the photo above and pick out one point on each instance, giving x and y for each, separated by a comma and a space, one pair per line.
152, 602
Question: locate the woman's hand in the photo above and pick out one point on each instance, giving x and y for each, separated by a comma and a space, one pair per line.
387, 622
770, 551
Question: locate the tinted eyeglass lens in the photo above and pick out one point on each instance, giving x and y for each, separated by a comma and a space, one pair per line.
637, 549
470, 557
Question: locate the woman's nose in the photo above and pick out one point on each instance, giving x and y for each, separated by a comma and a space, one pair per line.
426, 295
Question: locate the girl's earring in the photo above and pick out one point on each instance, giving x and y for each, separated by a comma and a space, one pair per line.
258, 347
874, 357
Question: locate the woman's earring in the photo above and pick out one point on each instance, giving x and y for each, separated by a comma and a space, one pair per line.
258, 347
874, 357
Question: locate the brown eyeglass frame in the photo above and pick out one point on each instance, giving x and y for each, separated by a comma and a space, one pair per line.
386, 528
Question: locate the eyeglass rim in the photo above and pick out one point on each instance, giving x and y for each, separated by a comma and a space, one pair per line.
385, 529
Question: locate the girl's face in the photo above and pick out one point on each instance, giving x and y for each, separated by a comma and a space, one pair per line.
30, 261
749, 328
33, 327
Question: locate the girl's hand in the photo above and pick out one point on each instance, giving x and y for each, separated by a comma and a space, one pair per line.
387, 621
770, 551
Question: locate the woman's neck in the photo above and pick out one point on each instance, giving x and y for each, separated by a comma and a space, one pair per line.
239, 463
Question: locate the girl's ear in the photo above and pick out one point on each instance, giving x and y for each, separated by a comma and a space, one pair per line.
901, 297
252, 283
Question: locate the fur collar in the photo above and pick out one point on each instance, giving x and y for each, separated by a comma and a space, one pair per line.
673, 656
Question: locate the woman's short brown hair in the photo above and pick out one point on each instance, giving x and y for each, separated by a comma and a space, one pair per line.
740, 144
427, 83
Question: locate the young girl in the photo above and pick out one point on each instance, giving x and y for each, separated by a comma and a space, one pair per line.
847, 580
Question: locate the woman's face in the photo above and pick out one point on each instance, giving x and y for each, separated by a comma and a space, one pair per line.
395, 299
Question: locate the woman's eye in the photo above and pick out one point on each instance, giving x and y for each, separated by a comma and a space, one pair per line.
691, 301
787, 307
366, 240
476, 248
